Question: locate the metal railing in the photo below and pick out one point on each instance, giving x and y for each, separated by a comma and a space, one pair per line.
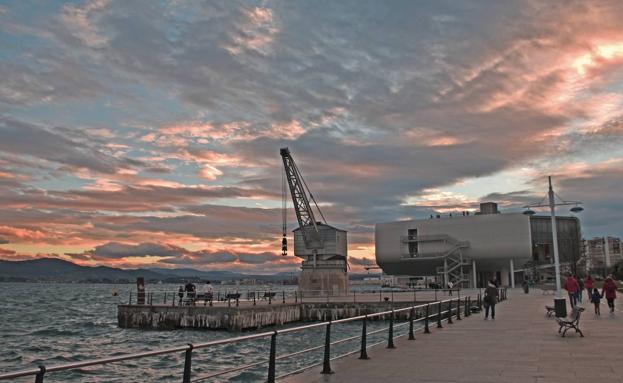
255, 297
433, 310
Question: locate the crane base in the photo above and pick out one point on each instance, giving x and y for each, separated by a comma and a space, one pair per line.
323, 280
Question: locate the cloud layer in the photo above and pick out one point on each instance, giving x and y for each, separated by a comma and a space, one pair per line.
148, 132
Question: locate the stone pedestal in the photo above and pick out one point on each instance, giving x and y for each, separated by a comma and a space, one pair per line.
325, 278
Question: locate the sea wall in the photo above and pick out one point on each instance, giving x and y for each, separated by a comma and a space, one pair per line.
248, 317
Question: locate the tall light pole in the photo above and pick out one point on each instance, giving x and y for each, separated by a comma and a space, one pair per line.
552, 208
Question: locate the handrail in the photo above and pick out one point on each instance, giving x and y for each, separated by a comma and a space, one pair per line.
188, 348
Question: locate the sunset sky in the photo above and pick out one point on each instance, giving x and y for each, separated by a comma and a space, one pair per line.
138, 133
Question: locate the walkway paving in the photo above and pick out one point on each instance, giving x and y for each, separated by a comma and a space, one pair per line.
521, 345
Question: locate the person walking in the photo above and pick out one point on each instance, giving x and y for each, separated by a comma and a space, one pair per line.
596, 298
450, 286
490, 299
609, 291
588, 283
572, 287
581, 289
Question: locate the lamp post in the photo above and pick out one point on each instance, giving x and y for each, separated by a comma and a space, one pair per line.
559, 302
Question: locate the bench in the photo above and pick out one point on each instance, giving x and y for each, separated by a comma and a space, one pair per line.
550, 311
548, 289
572, 323
235, 296
269, 295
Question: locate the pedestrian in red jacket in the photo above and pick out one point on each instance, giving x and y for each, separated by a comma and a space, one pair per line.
572, 287
609, 291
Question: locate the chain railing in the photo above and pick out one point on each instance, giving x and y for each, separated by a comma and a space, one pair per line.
434, 310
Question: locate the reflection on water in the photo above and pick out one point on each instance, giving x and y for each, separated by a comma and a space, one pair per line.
59, 323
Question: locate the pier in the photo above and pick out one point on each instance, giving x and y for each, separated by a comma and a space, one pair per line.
521, 346
283, 308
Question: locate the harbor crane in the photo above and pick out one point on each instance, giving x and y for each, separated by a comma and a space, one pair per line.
322, 247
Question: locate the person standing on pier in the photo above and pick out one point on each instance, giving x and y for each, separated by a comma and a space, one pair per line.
588, 283
490, 299
609, 291
596, 298
572, 287
581, 289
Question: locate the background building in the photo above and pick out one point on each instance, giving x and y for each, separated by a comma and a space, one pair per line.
602, 253
471, 249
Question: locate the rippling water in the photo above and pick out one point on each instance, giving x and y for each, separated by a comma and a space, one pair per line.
59, 323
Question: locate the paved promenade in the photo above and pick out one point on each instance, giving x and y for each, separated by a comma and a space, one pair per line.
521, 345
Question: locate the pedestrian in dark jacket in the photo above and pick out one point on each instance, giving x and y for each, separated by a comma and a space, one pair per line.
581, 289
596, 298
609, 291
490, 299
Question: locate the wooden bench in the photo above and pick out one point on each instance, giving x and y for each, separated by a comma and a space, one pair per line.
550, 311
572, 323
235, 296
270, 295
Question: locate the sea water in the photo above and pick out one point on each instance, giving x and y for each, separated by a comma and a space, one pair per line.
56, 323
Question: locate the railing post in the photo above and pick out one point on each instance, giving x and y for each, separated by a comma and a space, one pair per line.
439, 315
173, 300
39, 376
390, 333
450, 312
254, 299
296, 298
187, 363
392, 296
380, 296
130, 300
165, 298
426, 330
364, 339
326, 365
458, 309
271, 358
469, 306
283, 297
411, 318
270, 298
354, 297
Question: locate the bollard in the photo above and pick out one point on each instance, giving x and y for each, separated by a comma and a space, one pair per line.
187, 363
450, 312
411, 317
390, 334
326, 364
271, 358
426, 330
458, 309
439, 315
39, 376
364, 347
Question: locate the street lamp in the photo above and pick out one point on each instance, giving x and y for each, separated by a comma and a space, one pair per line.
552, 207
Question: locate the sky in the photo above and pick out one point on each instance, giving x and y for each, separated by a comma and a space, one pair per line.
147, 133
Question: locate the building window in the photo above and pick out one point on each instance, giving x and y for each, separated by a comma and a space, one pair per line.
413, 246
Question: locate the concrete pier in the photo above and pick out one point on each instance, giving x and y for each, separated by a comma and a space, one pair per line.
245, 317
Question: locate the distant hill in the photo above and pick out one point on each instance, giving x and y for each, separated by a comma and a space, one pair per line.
53, 269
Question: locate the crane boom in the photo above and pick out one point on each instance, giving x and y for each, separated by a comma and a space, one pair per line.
302, 207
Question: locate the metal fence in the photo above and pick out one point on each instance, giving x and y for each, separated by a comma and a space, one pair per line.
436, 313
255, 297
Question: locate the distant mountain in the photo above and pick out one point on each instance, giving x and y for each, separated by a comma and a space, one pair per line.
53, 269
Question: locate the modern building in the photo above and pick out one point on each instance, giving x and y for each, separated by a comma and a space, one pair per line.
472, 249
602, 253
